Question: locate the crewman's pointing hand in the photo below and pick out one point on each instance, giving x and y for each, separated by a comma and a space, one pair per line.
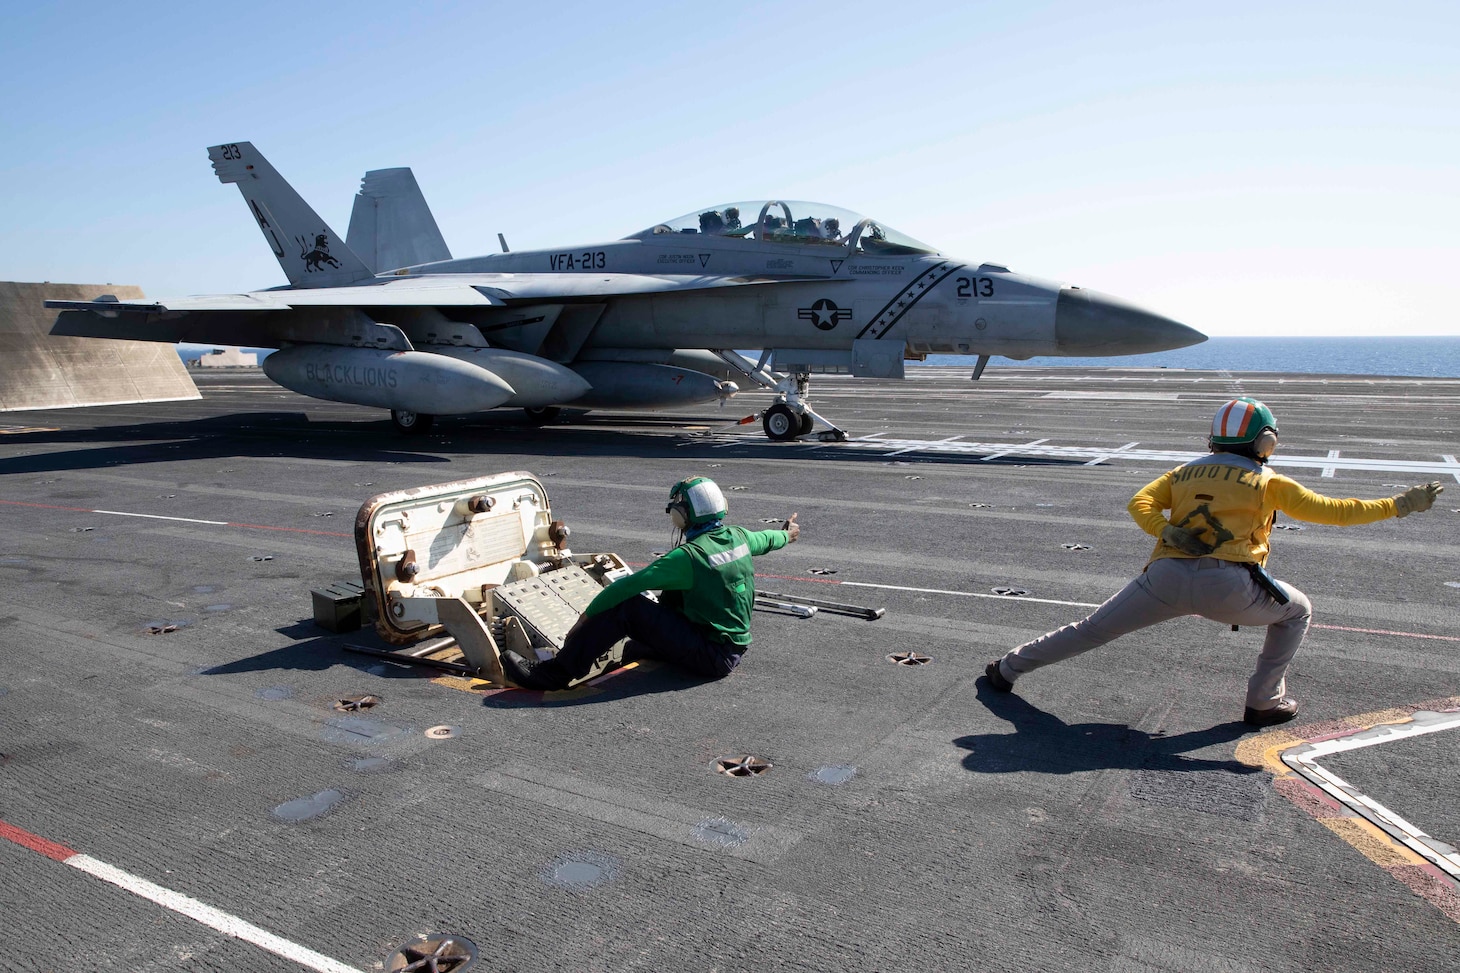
1417, 498
792, 528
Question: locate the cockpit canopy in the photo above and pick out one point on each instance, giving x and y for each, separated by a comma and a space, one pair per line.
791, 221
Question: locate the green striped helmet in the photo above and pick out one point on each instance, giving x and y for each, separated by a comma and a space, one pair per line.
1241, 421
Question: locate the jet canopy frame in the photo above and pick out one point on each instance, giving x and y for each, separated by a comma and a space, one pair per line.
795, 222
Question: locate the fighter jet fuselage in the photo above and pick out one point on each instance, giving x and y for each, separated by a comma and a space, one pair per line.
651, 320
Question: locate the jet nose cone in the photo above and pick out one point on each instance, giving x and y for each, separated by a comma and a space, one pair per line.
1091, 323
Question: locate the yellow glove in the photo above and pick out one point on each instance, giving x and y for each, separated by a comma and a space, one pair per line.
1185, 541
1417, 498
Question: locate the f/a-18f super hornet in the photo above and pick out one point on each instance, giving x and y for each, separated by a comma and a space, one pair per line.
387, 318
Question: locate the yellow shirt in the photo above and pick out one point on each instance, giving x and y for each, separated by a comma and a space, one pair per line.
1231, 501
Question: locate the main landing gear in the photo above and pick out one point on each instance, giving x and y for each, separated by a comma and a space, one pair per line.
790, 416
411, 423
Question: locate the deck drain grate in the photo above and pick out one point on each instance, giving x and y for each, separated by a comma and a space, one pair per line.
744, 765
354, 704
910, 658
822, 571
1077, 547
443, 732
166, 629
1287, 526
981, 506
434, 953
1009, 591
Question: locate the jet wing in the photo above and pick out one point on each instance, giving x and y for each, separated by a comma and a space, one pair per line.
457, 290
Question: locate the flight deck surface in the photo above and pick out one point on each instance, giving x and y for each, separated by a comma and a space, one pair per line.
183, 785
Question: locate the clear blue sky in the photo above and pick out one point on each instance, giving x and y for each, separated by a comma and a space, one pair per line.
1247, 168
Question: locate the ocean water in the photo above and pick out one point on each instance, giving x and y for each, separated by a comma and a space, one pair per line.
1429, 357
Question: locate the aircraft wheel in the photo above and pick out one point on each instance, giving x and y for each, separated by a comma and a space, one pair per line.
411, 423
781, 424
543, 414
807, 423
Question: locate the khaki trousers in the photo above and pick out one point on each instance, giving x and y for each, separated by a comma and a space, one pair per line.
1171, 587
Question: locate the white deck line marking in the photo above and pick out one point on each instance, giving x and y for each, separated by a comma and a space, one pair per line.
1303, 759
1120, 449
228, 925
185, 520
966, 594
1448, 467
1013, 449
899, 452
1329, 470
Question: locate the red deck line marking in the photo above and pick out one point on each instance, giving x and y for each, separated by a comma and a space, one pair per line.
35, 842
1381, 631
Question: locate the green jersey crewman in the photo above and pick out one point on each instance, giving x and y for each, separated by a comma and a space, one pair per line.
1210, 555
701, 621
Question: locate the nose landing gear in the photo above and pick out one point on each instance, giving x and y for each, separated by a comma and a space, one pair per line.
791, 416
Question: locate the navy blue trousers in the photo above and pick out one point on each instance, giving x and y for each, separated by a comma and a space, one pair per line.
658, 633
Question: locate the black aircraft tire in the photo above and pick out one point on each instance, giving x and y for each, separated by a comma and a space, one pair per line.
542, 415
807, 423
411, 423
781, 424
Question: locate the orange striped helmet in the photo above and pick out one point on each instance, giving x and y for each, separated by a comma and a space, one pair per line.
1241, 421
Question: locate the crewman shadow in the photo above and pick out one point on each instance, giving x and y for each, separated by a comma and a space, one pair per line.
1044, 743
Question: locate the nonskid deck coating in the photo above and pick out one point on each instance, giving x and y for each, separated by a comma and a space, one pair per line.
1099, 820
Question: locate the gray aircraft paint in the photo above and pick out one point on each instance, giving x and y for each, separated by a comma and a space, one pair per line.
823, 288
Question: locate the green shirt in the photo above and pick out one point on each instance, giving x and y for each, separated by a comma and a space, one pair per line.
711, 576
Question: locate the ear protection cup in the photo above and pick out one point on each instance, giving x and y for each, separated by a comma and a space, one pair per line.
678, 515
1265, 443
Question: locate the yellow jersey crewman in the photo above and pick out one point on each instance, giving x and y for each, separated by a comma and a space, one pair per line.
1210, 554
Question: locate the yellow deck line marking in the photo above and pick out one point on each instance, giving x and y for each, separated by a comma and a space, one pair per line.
1424, 878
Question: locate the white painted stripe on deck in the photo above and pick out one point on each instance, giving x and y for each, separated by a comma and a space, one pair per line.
965, 594
1448, 466
185, 520
1304, 760
1114, 452
227, 924
1025, 448
950, 439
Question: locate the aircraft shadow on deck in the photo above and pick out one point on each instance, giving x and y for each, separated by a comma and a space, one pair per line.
294, 435
1043, 743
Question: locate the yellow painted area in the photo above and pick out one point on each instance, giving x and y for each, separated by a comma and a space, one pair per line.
1374, 844
1266, 749
469, 684
1371, 841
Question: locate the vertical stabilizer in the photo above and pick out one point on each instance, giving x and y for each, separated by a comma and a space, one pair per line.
391, 226
311, 254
